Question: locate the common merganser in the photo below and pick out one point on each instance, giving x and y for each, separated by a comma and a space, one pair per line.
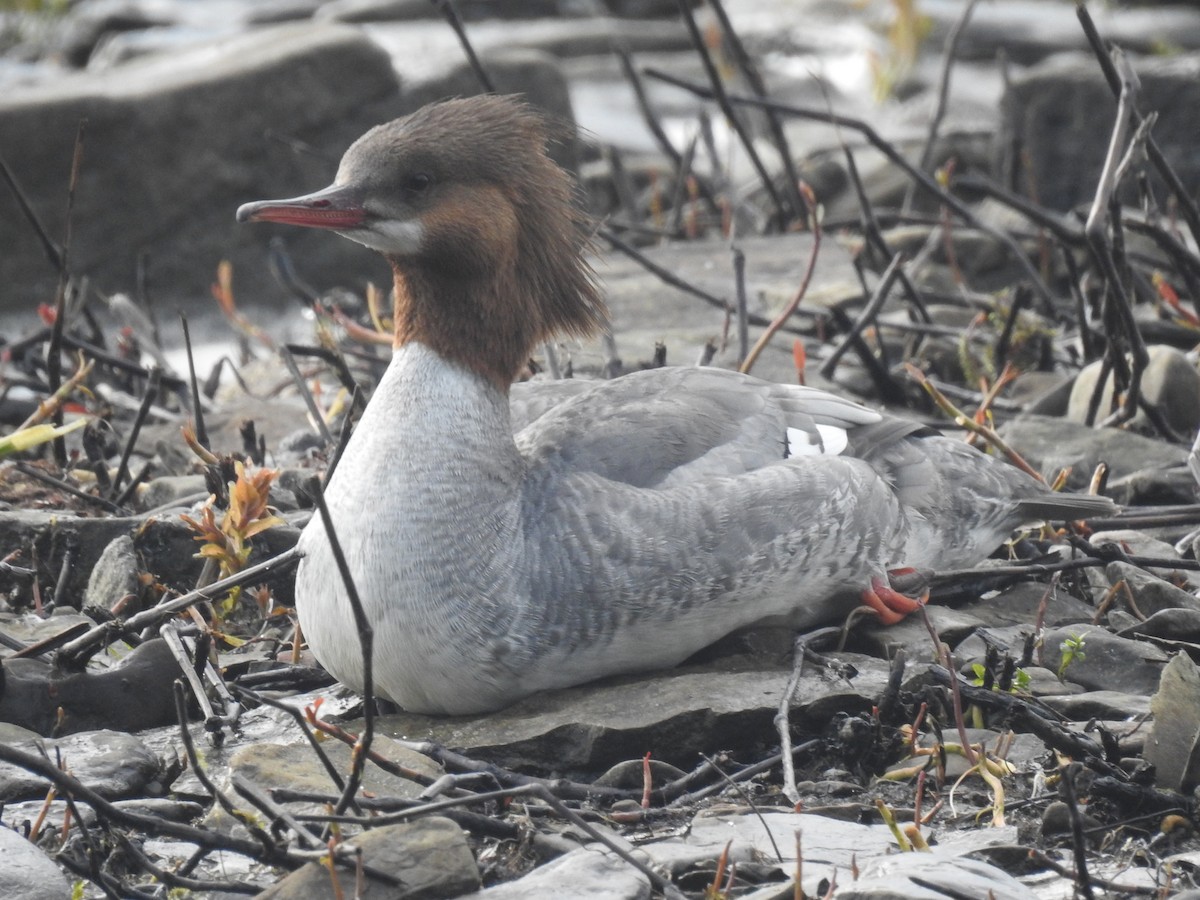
627, 523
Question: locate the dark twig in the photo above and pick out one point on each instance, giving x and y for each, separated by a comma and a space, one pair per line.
75, 652
680, 164
718, 93
52, 250
800, 207
1083, 883
54, 349
893, 155
949, 52
143, 822
298, 717
306, 395
60, 485
870, 311
148, 399
366, 638
450, 14
743, 321
1115, 82
197, 411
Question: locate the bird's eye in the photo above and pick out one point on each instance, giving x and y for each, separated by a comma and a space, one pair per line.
416, 184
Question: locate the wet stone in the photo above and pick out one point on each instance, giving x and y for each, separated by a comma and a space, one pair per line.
1174, 624
1099, 705
27, 872
932, 876
1151, 594
1170, 383
111, 763
115, 574
1018, 605
668, 713
1172, 745
1051, 444
295, 766
589, 873
429, 857
1107, 661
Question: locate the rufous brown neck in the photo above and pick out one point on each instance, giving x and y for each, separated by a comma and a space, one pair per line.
486, 290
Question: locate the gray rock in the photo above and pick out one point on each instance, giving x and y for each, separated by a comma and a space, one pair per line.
932, 876
1044, 683
826, 843
132, 695
1173, 744
774, 265
1018, 604
169, 489
589, 873
112, 763
673, 714
911, 635
1108, 705
296, 767
1142, 543
1059, 114
89, 22
1173, 624
27, 872
165, 545
1108, 662
1170, 383
115, 574
1150, 593
1050, 444
430, 857
175, 143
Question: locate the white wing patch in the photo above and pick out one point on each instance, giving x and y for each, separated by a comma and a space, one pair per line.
828, 441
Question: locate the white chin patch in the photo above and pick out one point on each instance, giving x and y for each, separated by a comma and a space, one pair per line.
829, 441
390, 236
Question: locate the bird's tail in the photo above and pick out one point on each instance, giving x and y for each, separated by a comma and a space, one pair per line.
1067, 507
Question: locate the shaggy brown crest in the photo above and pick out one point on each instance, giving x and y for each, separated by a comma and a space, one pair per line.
500, 264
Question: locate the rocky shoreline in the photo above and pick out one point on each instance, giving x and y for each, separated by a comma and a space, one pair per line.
1060, 760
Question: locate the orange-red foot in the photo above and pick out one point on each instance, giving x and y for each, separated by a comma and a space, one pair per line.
890, 605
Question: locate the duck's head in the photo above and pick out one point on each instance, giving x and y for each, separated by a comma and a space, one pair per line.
482, 229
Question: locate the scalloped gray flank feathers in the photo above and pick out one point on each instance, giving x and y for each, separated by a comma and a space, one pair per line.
626, 523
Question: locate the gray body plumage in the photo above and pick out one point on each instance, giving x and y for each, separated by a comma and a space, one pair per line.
627, 525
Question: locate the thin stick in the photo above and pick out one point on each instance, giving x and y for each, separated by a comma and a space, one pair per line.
927, 182
870, 311
74, 652
949, 53
786, 313
366, 640
446, 8
718, 93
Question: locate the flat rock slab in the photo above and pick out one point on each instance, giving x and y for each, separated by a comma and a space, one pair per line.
430, 858
111, 763
175, 143
1107, 662
1051, 444
932, 876
589, 873
672, 714
645, 310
